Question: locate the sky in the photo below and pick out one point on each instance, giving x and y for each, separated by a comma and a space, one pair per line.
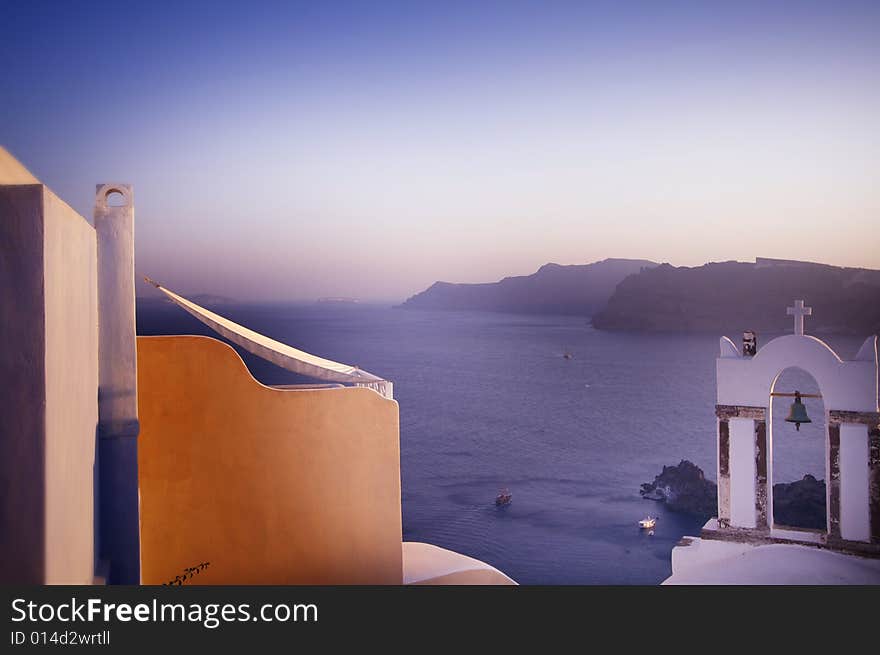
296, 150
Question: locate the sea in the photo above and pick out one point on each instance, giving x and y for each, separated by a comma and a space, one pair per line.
489, 401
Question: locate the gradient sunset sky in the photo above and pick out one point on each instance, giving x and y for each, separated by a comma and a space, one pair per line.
296, 150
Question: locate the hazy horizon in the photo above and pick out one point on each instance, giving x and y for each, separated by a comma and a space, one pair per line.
292, 151
148, 292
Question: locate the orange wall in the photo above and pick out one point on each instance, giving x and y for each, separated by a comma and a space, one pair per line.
269, 486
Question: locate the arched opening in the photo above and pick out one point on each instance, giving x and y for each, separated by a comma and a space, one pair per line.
115, 198
796, 471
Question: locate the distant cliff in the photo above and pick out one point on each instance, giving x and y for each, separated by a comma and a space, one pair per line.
734, 296
553, 289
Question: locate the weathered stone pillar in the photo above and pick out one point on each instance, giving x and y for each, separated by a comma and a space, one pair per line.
117, 393
833, 481
854, 483
738, 482
723, 472
874, 481
761, 462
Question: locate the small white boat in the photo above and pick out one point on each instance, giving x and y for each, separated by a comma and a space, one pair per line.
648, 523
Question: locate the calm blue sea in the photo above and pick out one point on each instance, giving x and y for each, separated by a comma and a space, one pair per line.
488, 401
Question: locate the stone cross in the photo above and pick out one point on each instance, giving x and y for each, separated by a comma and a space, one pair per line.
799, 311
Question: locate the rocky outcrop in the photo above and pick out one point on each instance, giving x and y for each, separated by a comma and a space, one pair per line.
553, 289
684, 489
800, 504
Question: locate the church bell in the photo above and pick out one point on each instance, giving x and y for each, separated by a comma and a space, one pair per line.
797, 414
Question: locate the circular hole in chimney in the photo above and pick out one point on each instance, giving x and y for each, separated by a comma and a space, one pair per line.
115, 198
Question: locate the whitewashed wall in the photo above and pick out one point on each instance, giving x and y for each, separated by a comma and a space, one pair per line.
742, 472
48, 384
855, 519
845, 385
71, 338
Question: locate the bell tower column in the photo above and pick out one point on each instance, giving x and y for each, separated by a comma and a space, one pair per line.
874, 481
762, 461
723, 470
853, 476
742, 467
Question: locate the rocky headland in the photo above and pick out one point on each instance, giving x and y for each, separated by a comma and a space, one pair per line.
579, 289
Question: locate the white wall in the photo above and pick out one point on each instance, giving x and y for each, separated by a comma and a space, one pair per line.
742, 472
855, 519
845, 385
71, 363
22, 383
699, 553
48, 385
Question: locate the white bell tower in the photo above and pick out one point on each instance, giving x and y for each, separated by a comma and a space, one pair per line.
852, 440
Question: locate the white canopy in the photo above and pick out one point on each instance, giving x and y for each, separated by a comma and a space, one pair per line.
279, 353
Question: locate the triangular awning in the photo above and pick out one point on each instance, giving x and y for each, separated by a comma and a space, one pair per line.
278, 353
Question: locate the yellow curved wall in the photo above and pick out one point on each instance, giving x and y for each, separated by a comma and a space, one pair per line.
269, 486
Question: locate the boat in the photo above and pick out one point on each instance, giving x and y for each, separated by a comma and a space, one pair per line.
648, 523
566, 355
503, 498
